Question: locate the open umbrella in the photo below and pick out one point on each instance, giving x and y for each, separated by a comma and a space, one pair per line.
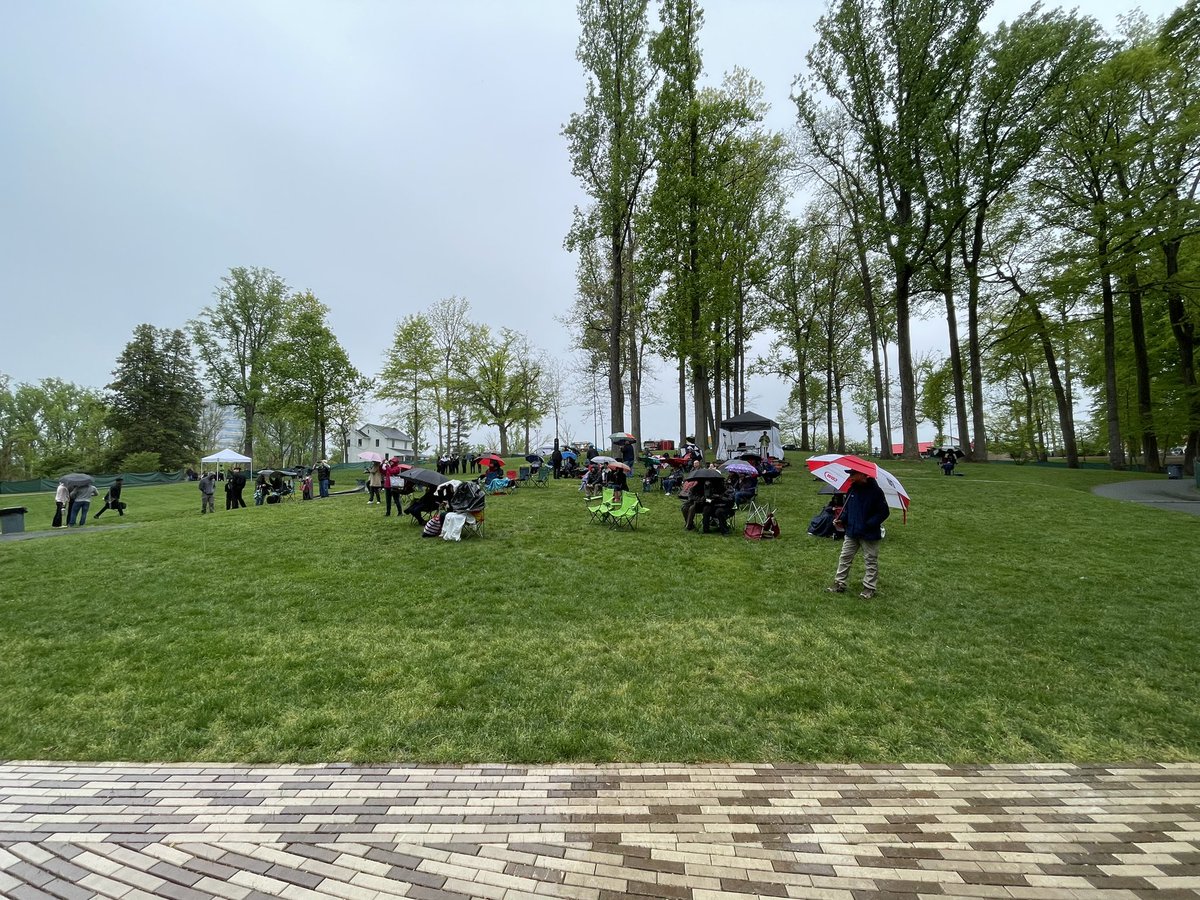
603, 459
371, 456
741, 468
426, 477
569, 454
650, 460
533, 457
76, 479
942, 451
751, 457
622, 437
704, 475
831, 468
618, 465
488, 458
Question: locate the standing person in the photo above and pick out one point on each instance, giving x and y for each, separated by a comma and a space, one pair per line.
627, 454
764, 445
81, 501
391, 479
208, 487
862, 517
62, 500
112, 500
375, 483
322, 474
260, 489
556, 460
234, 485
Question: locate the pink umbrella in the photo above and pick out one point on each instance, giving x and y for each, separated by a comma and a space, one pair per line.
371, 455
831, 468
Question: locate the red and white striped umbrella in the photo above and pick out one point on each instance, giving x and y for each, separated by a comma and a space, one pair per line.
831, 468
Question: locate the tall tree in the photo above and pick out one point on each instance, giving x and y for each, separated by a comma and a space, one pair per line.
235, 336
311, 373
895, 70
154, 399
611, 152
407, 379
498, 381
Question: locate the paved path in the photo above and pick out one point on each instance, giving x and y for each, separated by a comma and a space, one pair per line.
599, 832
1179, 494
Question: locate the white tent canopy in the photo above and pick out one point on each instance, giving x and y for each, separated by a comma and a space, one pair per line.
225, 456
743, 433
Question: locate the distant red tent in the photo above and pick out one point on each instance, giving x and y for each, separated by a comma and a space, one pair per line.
922, 446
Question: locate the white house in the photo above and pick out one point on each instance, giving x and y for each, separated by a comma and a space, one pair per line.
381, 439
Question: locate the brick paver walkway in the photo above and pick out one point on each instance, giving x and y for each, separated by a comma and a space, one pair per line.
508, 832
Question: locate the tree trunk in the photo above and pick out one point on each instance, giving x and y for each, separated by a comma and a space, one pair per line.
616, 393
956, 367
1184, 331
682, 400
1116, 450
1141, 359
908, 381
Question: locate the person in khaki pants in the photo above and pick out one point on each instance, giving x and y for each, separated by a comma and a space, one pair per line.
863, 516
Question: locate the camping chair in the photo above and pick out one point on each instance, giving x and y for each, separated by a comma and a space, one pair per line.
513, 481
469, 499
760, 522
523, 475
627, 512
600, 506
543, 476
497, 486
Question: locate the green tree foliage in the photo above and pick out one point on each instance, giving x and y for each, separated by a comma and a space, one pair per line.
155, 399
407, 379
500, 381
52, 427
610, 143
235, 336
310, 374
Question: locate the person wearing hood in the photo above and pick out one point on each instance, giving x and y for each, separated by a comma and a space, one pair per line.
862, 518
322, 474
208, 487
112, 500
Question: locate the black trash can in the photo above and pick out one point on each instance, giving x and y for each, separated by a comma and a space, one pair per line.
1174, 471
12, 520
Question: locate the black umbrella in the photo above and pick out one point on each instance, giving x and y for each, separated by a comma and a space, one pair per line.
76, 479
424, 476
533, 457
704, 475
755, 457
942, 451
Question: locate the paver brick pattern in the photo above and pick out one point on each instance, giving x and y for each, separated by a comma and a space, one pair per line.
847, 832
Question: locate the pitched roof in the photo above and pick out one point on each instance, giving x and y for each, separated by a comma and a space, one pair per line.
392, 434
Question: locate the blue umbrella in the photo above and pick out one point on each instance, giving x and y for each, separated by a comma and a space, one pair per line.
570, 454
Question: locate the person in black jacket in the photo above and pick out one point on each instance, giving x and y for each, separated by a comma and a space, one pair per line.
234, 485
112, 500
862, 517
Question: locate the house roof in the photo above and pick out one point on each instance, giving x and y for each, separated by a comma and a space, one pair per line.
392, 434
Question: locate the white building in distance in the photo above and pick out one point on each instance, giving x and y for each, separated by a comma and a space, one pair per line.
381, 439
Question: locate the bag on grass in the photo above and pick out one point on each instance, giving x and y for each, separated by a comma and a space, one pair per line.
433, 528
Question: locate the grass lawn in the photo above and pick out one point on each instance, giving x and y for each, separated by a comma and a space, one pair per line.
1019, 618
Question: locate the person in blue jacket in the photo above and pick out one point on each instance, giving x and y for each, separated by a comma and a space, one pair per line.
862, 517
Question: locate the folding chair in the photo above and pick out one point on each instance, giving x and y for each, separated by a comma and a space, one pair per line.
473, 524
600, 506
523, 475
627, 512
514, 482
543, 477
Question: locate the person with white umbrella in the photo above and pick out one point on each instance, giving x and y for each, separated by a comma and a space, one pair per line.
862, 517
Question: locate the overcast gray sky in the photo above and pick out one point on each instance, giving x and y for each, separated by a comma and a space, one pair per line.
381, 154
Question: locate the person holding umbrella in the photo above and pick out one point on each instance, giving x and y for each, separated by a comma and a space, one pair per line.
862, 518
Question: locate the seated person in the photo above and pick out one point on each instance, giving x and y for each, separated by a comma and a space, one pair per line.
277, 483
693, 496
493, 472
615, 478
593, 482
768, 470
744, 487
650, 478
422, 507
827, 523
717, 508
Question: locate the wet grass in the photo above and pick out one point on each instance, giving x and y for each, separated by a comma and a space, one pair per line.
1020, 617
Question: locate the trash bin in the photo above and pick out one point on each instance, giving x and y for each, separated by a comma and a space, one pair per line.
1174, 471
12, 520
